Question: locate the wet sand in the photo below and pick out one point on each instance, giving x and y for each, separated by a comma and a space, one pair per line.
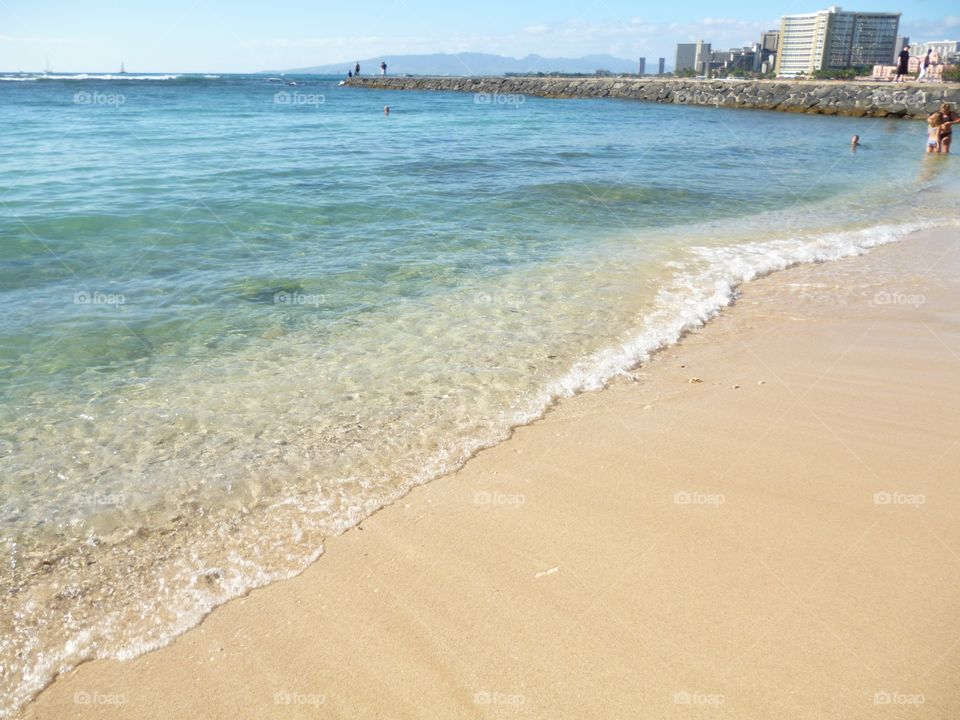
777, 539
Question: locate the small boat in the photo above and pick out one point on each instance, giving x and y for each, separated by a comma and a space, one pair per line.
123, 70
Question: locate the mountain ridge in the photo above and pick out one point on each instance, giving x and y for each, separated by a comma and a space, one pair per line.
475, 64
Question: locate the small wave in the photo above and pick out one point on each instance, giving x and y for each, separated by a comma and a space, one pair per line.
114, 77
88, 76
698, 295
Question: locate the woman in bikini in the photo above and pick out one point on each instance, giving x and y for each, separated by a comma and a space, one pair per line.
947, 120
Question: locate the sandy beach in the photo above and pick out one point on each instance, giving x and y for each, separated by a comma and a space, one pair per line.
760, 523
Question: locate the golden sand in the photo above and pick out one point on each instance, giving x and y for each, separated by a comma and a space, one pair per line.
778, 540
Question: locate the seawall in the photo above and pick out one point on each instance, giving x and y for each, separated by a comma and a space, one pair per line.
857, 99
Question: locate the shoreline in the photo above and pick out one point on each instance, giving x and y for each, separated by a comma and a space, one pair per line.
854, 99
490, 500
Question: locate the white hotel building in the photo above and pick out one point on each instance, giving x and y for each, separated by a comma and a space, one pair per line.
833, 39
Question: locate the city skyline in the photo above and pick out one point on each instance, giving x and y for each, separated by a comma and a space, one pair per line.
217, 36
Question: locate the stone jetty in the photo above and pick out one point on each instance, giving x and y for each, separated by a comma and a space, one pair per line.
856, 99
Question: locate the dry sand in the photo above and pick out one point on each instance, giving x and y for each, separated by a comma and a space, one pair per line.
779, 540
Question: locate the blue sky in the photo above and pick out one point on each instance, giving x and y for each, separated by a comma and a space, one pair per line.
238, 36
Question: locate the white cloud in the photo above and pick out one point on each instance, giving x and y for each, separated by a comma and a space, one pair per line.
538, 30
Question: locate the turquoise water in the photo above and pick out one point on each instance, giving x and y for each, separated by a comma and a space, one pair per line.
241, 315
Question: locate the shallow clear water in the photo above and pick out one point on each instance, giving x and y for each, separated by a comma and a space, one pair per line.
239, 316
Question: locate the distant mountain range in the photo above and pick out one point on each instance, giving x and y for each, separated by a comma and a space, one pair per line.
478, 64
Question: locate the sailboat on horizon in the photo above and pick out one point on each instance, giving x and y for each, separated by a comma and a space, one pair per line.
123, 70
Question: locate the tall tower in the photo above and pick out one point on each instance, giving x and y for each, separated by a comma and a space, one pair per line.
832, 39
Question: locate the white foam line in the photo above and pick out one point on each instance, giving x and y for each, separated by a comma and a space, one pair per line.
85, 76
697, 296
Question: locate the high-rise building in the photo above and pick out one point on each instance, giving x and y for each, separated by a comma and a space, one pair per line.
944, 48
722, 62
902, 42
770, 40
643, 66
832, 39
661, 66
765, 52
692, 56
686, 57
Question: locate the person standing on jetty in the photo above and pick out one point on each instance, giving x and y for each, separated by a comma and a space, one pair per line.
356, 70
924, 67
903, 64
383, 68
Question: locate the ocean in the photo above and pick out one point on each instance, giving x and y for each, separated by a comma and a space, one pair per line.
241, 315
